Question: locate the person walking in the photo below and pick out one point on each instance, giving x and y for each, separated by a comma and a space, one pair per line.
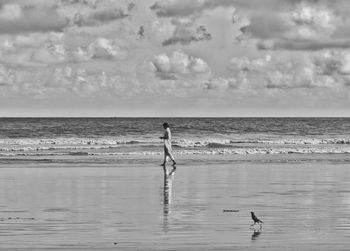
167, 144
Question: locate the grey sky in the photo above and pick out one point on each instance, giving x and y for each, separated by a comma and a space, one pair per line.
191, 58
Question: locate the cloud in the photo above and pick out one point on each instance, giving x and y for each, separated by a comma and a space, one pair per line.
10, 12
295, 45
32, 49
301, 20
333, 62
181, 8
16, 19
44, 49
289, 76
299, 25
311, 21
100, 48
246, 64
106, 49
264, 27
100, 17
94, 13
310, 71
6, 76
179, 64
141, 32
222, 84
185, 34
62, 81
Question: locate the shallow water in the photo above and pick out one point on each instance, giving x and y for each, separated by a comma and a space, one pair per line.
50, 138
304, 206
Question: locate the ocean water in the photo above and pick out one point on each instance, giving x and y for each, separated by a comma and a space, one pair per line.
51, 137
94, 201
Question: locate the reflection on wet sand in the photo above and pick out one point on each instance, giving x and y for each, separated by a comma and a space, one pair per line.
304, 207
167, 194
256, 234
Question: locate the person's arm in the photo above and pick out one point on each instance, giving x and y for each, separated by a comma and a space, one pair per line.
165, 135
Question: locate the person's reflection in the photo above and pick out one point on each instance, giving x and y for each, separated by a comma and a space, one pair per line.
167, 193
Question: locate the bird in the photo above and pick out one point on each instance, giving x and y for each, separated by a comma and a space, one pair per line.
255, 219
141, 32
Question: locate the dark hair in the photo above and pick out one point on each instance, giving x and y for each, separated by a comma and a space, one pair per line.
166, 125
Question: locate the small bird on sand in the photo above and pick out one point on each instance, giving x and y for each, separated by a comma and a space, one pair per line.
255, 219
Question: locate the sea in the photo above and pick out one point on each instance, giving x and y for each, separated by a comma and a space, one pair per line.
100, 137
97, 184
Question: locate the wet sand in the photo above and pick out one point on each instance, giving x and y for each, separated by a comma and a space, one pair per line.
304, 206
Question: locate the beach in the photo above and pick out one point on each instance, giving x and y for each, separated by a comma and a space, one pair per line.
133, 205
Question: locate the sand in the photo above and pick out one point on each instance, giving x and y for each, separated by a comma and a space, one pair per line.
134, 206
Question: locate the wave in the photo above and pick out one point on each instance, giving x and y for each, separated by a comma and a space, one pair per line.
150, 146
217, 151
72, 141
179, 142
305, 141
219, 143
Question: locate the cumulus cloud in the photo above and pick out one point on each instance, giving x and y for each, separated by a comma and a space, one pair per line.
304, 25
185, 34
295, 45
181, 8
7, 76
179, 64
221, 83
15, 18
44, 49
99, 17
292, 76
91, 13
108, 49
246, 64
141, 32
316, 70
93, 49
311, 21
38, 49
289, 76
10, 12
35, 49
100, 48
61, 80
333, 62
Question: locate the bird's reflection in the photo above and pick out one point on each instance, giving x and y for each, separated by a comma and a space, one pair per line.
256, 234
167, 194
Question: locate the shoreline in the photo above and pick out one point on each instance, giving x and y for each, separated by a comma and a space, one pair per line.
181, 159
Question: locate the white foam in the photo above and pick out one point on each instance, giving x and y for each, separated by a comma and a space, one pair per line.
153, 146
221, 151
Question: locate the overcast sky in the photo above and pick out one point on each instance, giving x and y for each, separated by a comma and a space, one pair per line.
174, 58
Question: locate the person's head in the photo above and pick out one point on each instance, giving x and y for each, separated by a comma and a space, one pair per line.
165, 125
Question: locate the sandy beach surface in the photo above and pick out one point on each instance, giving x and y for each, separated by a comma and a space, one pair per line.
305, 205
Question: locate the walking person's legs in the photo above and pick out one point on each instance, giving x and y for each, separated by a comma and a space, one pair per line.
172, 157
165, 156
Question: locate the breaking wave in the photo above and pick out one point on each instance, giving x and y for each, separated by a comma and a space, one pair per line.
153, 146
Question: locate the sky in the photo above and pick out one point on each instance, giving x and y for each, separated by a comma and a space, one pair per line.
174, 58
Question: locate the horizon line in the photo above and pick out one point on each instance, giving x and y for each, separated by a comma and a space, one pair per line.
301, 116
